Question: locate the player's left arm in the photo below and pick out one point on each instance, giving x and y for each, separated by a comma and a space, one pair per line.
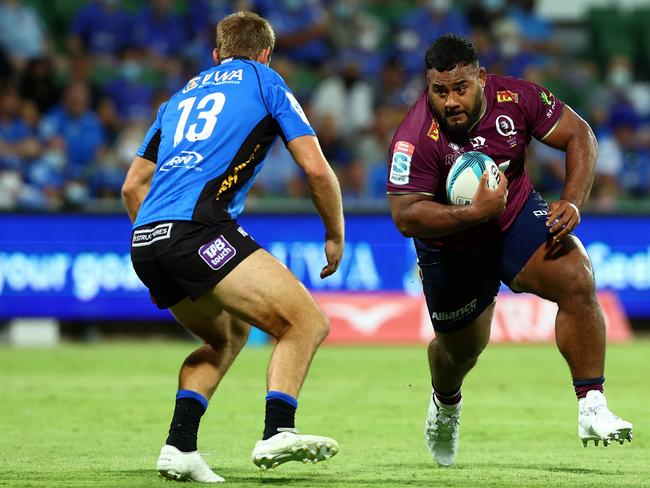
136, 185
574, 136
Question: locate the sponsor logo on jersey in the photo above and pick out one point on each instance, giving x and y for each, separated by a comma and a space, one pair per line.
457, 151
400, 167
477, 142
505, 126
216, 253
547, 98
295, 105
186, 160
507, 96
215, 78
231, 179
455, 314
144, 237
434, 130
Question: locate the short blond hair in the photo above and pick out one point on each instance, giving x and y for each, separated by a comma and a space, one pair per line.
244, 34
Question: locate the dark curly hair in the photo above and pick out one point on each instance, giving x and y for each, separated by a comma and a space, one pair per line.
450, 50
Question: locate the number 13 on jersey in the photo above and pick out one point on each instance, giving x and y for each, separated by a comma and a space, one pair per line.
209, 107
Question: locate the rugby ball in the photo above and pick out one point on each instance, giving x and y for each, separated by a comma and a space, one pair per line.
465, 174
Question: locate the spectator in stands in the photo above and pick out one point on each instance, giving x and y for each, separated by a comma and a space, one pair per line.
356, 34
300, 27
370, 150
19, 146
513, 54
158, 30
395, 89
18, 142
101, 27
22, 33
129, 92
73, 130
416, 30
37, 83
281, 177
346, 97
623, 166
535, 30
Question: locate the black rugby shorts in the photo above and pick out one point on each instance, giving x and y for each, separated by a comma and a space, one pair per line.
181, 259
458, 286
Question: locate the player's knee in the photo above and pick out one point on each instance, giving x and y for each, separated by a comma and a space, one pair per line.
465, 359
578, 284
322, 326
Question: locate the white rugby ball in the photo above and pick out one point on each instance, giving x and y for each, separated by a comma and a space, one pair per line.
465, 174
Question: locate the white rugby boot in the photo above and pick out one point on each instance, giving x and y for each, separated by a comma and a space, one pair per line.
441, 430
288, 445
596, 422
185, 466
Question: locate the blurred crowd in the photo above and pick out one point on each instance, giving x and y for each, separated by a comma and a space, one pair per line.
81, 80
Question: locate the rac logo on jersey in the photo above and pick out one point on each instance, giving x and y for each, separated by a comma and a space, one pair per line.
507, 96
186, 160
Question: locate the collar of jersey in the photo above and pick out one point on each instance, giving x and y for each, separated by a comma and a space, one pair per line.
232, 58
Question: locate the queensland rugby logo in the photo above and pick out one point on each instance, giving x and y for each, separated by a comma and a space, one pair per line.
505, 126
186, 160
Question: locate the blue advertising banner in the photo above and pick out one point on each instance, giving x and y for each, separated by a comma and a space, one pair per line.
78, 266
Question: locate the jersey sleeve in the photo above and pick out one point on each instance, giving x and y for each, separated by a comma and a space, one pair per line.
149, 147
543, 110
285, 108
412, 169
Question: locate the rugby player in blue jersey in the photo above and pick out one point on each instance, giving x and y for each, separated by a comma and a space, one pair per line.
511, 236
183, 192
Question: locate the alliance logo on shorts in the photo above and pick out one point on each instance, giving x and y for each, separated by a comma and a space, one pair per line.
456, 314
216, 253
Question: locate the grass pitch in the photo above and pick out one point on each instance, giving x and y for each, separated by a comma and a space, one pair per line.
97, 415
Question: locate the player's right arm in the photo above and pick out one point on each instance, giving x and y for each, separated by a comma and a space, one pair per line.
417, 215
326, 195
136, 185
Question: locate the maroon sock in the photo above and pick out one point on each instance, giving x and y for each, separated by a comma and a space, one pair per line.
583, 386
448, 398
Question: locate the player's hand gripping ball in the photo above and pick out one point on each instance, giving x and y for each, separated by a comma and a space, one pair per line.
465, 175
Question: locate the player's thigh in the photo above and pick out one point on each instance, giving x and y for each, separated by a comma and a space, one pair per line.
467, 343
263, 292
558, 271
459, 288
212, 323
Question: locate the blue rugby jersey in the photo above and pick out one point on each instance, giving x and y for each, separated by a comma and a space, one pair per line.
210, 139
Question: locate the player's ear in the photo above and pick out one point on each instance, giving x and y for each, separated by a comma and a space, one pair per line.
482, 74
215, 55
264, 56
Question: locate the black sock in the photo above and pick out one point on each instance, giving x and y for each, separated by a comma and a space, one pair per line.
184, 427
450, 398
280, 413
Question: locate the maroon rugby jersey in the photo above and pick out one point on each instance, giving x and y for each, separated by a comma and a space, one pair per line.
421, 153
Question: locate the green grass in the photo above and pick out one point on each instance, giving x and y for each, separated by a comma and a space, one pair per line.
96, 415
